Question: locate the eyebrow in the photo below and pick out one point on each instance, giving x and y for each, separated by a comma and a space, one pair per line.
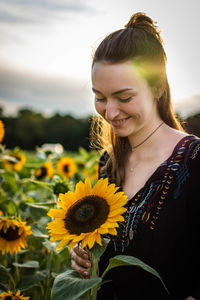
115, 93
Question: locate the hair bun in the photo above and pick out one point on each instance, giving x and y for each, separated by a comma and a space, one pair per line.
142, 21
139, 19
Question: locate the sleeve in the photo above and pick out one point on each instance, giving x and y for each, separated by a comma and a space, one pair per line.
194, 217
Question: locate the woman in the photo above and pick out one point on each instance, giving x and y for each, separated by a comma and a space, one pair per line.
154, 161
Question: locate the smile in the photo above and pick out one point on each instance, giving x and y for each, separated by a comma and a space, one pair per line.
119, 123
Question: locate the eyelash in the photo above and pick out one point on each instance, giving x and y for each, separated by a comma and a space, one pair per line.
121, 100
125, 100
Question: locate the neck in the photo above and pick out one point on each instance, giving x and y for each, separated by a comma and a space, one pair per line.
146, 137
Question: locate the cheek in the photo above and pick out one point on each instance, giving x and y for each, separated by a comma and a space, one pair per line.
100, 108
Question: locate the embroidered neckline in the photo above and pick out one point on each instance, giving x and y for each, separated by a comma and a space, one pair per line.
145, 206
164, 163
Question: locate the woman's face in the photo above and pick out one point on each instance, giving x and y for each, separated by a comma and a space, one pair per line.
122, 97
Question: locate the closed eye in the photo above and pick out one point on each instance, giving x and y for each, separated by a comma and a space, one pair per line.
125, 99
100, 99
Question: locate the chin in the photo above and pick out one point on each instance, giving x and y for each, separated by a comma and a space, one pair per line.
121, 133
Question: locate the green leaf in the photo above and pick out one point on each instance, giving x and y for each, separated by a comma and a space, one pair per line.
98, 250
5, 276
3, 288
10, 183
125, 260
1, 179
39, 183
11, 207
29, 281
38, 233
37, 206
51, 246
70, 285
28, 264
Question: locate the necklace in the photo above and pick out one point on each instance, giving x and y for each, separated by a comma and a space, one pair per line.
133, 148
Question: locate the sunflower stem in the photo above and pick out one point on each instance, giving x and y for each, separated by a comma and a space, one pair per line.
49, 263
88, 295
16, 268
94, 273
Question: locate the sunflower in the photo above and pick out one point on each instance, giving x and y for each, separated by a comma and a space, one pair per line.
10, 296
13, 235
87, 214
15, 165
2, 131
45, 171
60, 187
7, 296
20, 297
66, 166
93, 174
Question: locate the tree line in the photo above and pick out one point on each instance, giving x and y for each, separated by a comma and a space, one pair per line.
30, 129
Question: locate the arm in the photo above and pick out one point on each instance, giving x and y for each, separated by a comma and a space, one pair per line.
194, 220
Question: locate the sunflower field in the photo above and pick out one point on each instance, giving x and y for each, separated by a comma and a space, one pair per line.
30, 183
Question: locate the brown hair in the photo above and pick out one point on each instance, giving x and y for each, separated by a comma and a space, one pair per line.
139, 41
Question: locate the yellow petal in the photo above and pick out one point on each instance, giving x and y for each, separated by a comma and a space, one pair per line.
98, 239
113, 231
116, 219
109, 225
56, 213
62, 244
118, 211
103, 230
100, 187
88, 186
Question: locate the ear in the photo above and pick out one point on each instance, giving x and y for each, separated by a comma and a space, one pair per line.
157, 92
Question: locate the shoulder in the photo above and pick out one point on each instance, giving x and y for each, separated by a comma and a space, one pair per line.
193, 151
192, 157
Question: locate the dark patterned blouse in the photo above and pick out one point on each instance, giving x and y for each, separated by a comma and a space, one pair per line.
162, 228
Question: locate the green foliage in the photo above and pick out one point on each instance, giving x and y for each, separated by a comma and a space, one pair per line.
70, 285
22, 196
39, 270
192, 125
30, 129
125, 260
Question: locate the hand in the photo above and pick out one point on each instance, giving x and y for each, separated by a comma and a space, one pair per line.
80, 260
190, 298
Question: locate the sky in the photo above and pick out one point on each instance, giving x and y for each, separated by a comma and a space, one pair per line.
47, 45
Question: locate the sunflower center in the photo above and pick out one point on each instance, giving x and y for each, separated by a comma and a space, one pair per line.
42, 173
15, 162
8, 298
66, 168
11, 234
86, 215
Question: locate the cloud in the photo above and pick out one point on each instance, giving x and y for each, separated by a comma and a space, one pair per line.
46, 94
20, 18
33, 11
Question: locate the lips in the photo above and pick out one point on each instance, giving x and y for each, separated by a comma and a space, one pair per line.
119, 123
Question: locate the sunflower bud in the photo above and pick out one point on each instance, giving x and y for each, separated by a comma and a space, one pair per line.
60, 187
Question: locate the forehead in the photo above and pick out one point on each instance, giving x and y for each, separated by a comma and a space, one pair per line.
116, 76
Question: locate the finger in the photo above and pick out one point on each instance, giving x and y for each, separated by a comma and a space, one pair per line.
83, 271
81, 261
82, 252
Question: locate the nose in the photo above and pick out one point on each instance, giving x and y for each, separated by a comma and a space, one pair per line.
111, 110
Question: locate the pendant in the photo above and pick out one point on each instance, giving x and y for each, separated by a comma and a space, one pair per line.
131, 169
131, 233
